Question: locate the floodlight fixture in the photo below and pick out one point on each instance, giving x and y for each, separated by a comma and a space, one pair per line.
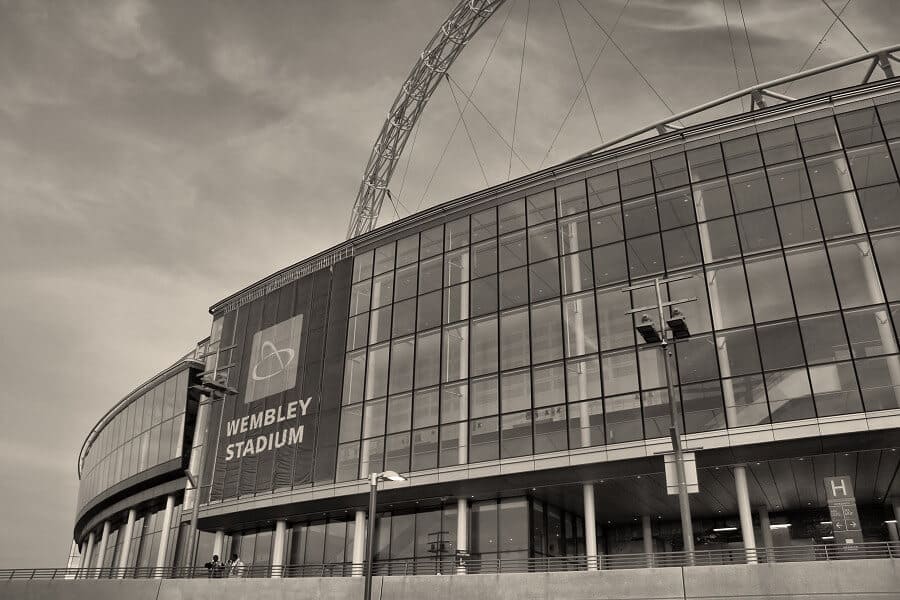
678, 325
648, 331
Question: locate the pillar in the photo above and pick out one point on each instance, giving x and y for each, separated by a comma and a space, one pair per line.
743, 498
81, 555
765, 527
590, 527
89, 552
462, 532
101, 553
126, 543
892, 532
359, 543
278, 548
896, 524
164, 537
219, 545
647, 535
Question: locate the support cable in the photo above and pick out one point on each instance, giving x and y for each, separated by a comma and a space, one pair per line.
625, 56
469, 135
468, 102
850, 31
817, 46
582, 89
518, 91
587, 91
737, 75
749, 45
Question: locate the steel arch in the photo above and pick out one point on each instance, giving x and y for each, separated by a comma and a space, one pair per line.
463, 23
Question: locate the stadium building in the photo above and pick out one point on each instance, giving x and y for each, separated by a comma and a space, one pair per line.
484, 349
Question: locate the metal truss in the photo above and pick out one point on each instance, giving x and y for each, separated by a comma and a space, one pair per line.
761, 94
463, 23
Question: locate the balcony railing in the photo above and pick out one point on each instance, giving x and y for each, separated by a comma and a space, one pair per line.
452, 566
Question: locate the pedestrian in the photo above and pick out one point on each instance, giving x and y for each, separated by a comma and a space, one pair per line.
236, 566
214, 567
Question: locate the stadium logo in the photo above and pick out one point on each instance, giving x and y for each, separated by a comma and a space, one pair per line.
274, 355
272, 362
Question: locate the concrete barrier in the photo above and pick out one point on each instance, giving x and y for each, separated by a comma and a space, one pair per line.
877, 579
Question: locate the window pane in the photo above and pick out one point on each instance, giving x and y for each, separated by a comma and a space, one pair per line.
427, 358
750, 191
670, 172
362, 266
829, 174
580, 325
859, 127
514, 350
513, 288
484, 258
515, 391
854, 273
577, 273
574, 235
431, 242
374, 418
454, 402
798, 223
635, 181
583, 377
404, 318
429, 311
879, 379
705, 163
544, 280
586, 424
425, 408
357, 331
457, 234
819, 136
484, 345
603, 190
719, 240
402, 365
880, 206
824, 339
789, 183
745, 401
619, 372
512, 251
485, 397
697, 359
616, 327
834, 389
676, 208
870, 331
351, 420
811, 280
541, 207
728, 296
758, 231
871, 165
610, 265
484, 225
456, 352
380, 327
703, 407
769, 288
396, 452
408, 250
623, 419
399, 413
549, 385
779, 145
549, 431
640, 217
456, 303
657, 419
354, 376
696, 314
515, 435
456, 267
645, 256
682, 247
454, 450
424, 451
571, 198
712, 200
887, 246
359, 297
511, 216
840, 215
377, 374
384, 258
484, 295
742, 154
347, 462
430, 274
405, 286
546, 332
542, 242
606, 225
484, 439
780, 345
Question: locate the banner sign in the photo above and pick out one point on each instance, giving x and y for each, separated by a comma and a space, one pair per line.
842, 507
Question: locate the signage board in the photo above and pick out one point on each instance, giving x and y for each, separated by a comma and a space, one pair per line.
690, 473
842, 507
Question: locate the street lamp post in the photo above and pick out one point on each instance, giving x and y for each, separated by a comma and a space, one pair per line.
374, 478
680, 331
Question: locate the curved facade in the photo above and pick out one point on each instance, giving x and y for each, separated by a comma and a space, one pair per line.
484, 349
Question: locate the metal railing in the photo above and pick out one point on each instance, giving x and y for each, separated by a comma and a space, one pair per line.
483, 565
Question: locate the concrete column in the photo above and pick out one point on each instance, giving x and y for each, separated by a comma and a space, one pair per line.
278, 548
765, 527
101, 553
81, 555
896, 505
462, 531
743, 498
164, 537
90, 551
892, 532
126, 543
359, 543
590, 527
219, 545
647, 535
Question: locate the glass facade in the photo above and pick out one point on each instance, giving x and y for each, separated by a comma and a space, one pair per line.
145, 541
148, 431
503, 333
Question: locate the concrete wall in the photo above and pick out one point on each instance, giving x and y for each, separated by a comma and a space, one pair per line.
859, 580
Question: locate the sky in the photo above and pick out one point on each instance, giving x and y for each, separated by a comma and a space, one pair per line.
156, 157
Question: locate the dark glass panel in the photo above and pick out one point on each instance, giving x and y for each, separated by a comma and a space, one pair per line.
546, 332
514, 351
870, 331
402, 358
583, 378
484, 439
515, 391
541, 207
758, 231
542, 242
512, 251
620, 373
404, 317
408, 250
380, 326
484, 225
484, 295
645, 256
676, 208
854, 273
431, 242
798, 223
819, 136
405, 284
515, 435
670, 171
712, 199
656, 413
511, 216
728, 296
750, 191
829, 174
428, 366
384, 258
703, 407
430, 274
616, 327
719, 239
399, 413
881, 206
871, 165
574, 235
603, 190
454, 450
824, 339
623, 419
780, 345
606, 225
429, 314
544, 279
580, 324
682, 247
705, 163
484, 259
859, 127
484, 345
635, 181
357, 331
780, 145
571, 198
425, 408
576, 272
485, 396
770, 291
611, 265
640, 217
745, 401
424, 449
457, 234
586, 424
550, 429
742, 154
879, 379
835, 390
789, 183
811, 280
887, 247
697, 359
359, 297
362, 266
549, 385
890, 118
